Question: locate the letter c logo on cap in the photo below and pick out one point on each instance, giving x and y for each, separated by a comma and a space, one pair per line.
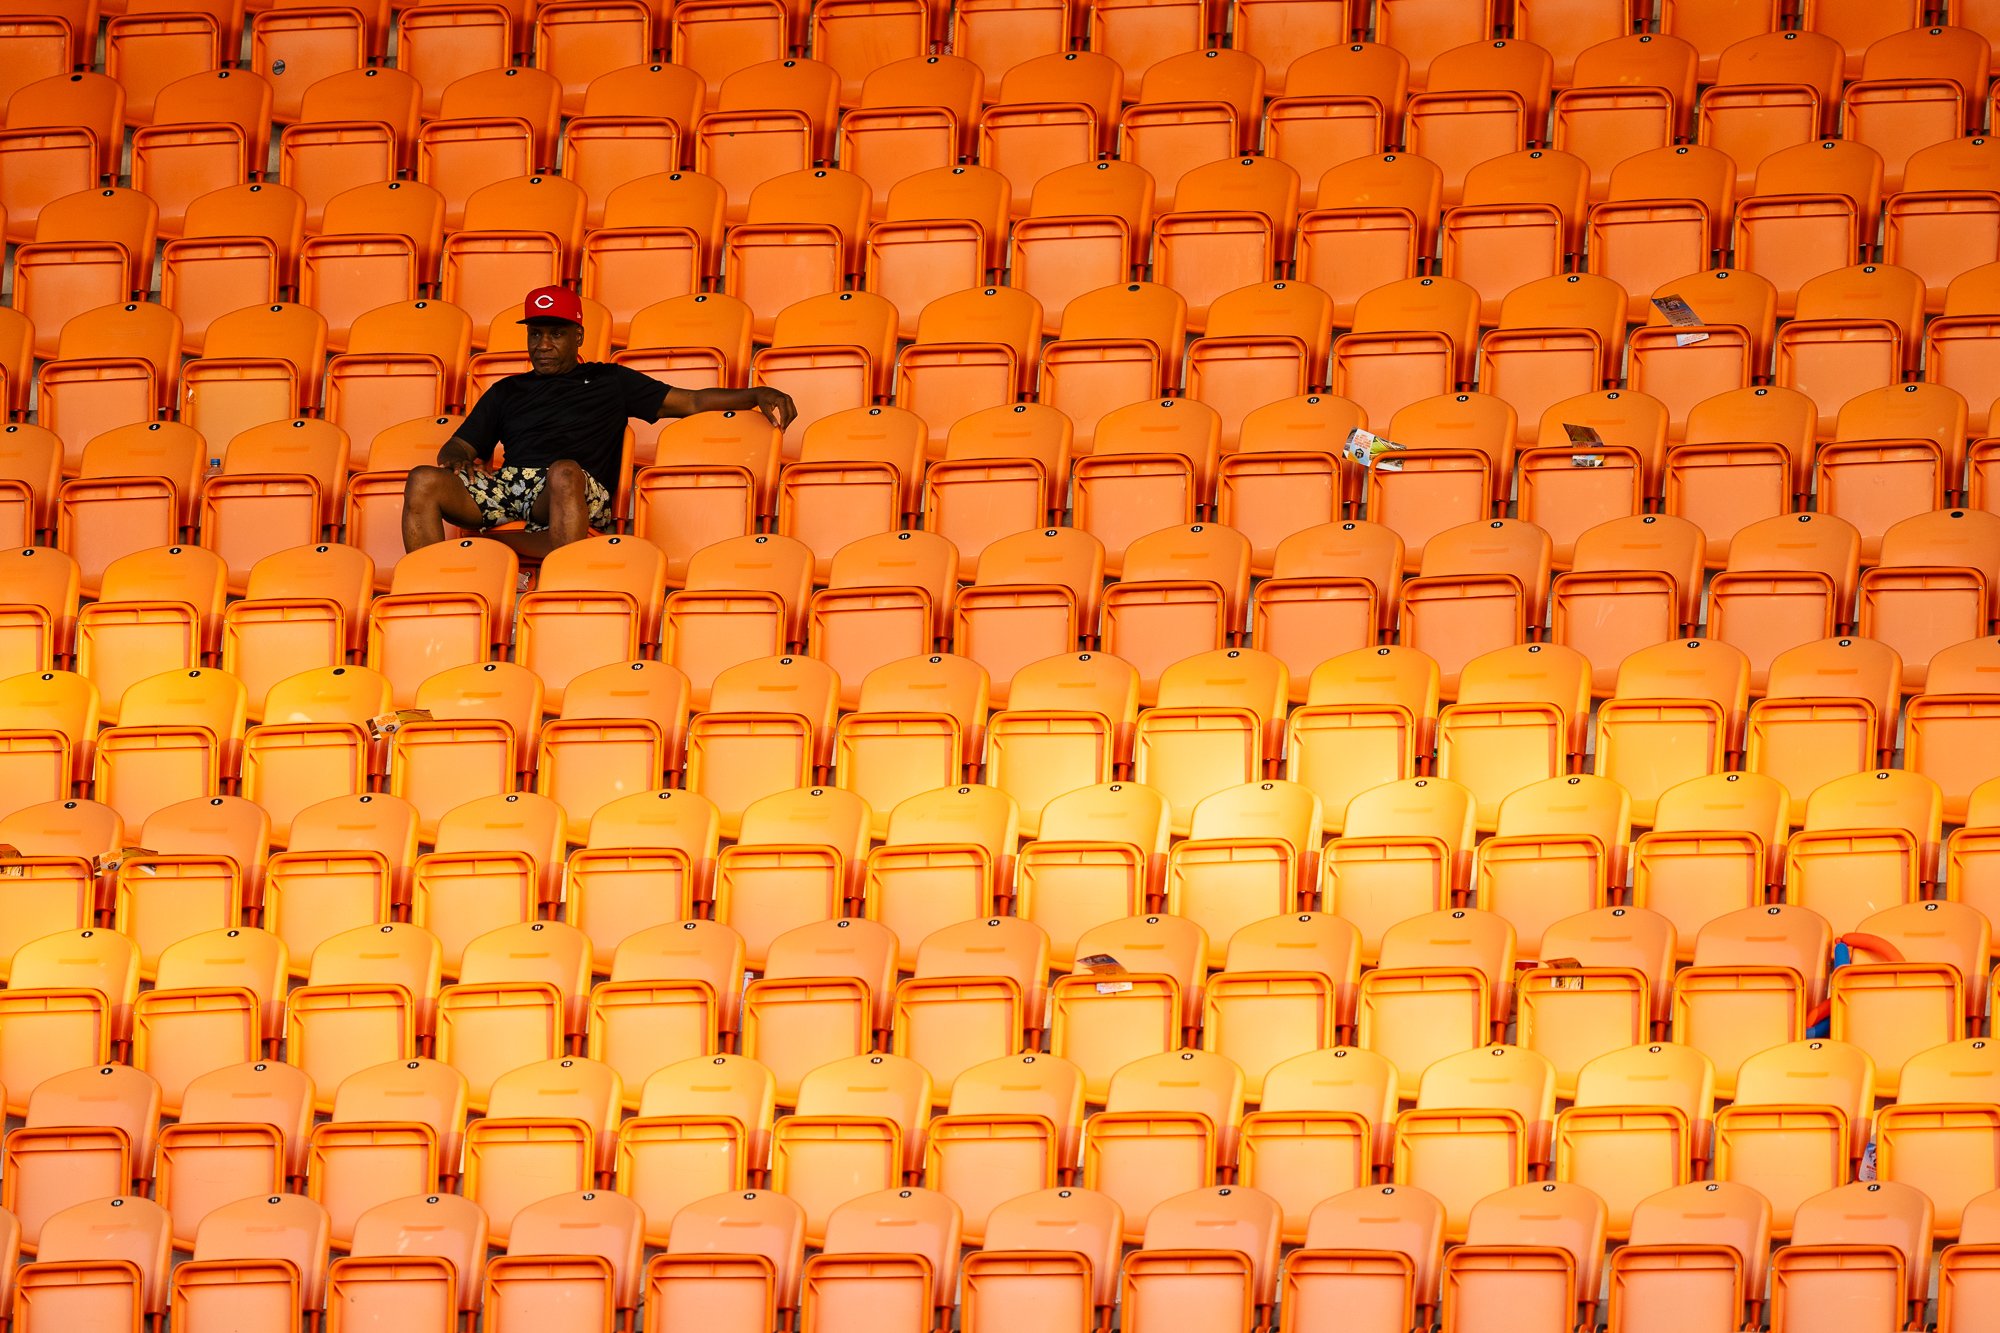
544, 301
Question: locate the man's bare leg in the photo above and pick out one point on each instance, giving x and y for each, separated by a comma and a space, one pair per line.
431, 496
528, 545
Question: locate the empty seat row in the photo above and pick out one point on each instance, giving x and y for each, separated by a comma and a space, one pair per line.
503, 1048
1233, 221
893, 1260
1160, 1106
800, 880
1519, 711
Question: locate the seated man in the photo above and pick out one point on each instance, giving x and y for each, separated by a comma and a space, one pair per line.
563, 425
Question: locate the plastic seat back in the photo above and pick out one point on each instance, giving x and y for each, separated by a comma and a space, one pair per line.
89, 1134
761, 1223
1232, 1233
1169, 954
284, 1234
865, 1237
1378, 1247
1413, 1022
1832, 1077
1512, 1229
595, 1225
1053, 1222
1876, 1224
1654, 1074
125, 1230
1704, 1245
445, 1229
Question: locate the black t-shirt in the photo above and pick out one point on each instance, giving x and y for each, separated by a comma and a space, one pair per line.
579, 415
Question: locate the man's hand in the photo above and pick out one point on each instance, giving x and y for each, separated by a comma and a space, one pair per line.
459, 456
775, 404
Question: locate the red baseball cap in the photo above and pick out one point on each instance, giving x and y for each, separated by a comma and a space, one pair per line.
552, 303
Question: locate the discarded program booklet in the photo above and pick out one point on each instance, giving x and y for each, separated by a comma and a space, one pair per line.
1366, 448
1568, 973
1682, 316
1104, 965
1584, 437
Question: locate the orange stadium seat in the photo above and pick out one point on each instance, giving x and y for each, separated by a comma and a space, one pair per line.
1060, 836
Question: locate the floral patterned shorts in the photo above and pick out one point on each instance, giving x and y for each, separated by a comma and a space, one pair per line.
508, 495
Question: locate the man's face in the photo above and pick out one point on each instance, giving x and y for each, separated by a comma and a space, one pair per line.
552, 345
